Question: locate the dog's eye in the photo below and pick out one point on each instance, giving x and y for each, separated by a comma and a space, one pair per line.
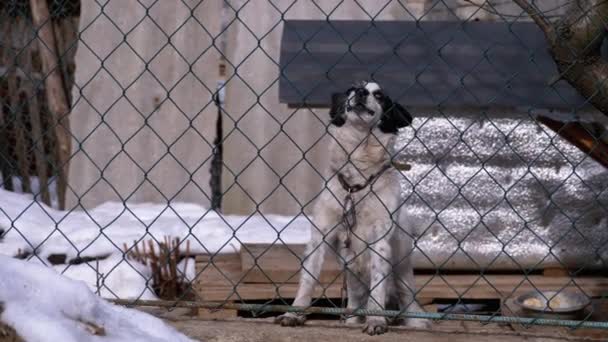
378, 95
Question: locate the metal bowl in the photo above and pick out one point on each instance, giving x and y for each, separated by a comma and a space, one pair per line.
553, 301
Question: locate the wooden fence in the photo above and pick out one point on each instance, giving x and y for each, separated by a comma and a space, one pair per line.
28, 142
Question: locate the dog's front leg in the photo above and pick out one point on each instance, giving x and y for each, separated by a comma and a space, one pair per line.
357, 290
379, 271
406, 289
309, 275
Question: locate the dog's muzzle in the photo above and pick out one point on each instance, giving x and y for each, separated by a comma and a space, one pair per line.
360, 98
359, 107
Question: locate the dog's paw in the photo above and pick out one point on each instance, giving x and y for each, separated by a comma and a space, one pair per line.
418, 323
375, 326
290, 319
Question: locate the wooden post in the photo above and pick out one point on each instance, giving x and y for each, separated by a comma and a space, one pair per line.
17, 109
6, 169
217, 164
34, 114
57, 98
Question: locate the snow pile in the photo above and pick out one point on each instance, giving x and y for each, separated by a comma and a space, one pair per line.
42, 305
114, 277
34, 187
104, 231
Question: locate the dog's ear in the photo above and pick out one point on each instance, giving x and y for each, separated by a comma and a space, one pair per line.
338, 108
394, 117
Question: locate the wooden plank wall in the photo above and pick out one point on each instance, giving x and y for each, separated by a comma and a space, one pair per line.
264, 272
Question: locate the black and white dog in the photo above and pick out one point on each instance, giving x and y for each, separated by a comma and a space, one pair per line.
354, 213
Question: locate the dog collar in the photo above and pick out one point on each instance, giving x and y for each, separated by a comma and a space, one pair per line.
351, 189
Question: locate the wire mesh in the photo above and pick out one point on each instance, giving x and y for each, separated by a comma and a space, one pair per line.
486, 201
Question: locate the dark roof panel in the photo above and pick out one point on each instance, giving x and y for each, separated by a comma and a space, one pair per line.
422, 64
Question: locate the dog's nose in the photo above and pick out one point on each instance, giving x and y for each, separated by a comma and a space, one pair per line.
361, 92
361, 95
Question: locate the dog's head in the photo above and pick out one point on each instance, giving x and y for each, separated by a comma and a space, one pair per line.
366, 104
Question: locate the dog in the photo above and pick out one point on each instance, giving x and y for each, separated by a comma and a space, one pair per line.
354, 213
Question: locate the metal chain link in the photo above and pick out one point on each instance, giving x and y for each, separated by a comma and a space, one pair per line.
29, 144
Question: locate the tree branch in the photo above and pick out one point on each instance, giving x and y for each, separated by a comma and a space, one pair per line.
583, 28
535, 14
492, 9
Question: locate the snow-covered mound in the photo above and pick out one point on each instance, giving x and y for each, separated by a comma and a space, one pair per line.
105, 229
42, 305
38, 231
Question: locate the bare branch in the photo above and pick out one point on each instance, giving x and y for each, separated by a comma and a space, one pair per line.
490, 7
535, 14
584, 26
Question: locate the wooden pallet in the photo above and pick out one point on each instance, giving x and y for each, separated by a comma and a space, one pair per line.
265, 272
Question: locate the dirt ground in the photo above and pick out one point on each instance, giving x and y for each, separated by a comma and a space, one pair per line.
263, 330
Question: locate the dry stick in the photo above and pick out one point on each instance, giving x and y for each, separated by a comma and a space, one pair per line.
55, 92
140, 256
173, 255
19, 124
163, 264
37, 136
144, 254
136, 249
165, 257
184, 278
154, 265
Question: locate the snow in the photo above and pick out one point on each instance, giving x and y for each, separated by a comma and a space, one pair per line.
112, 277
41, 305
35, 186
186, 267
103, 231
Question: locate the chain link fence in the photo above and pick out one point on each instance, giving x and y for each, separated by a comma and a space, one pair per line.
172, 153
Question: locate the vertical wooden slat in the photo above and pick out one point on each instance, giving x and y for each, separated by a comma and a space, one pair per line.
5, 162
57, 99
65, 35
70, 38
34, 116
61, 44
19, 123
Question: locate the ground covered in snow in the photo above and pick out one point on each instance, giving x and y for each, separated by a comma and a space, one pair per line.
40, 232
42, 305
